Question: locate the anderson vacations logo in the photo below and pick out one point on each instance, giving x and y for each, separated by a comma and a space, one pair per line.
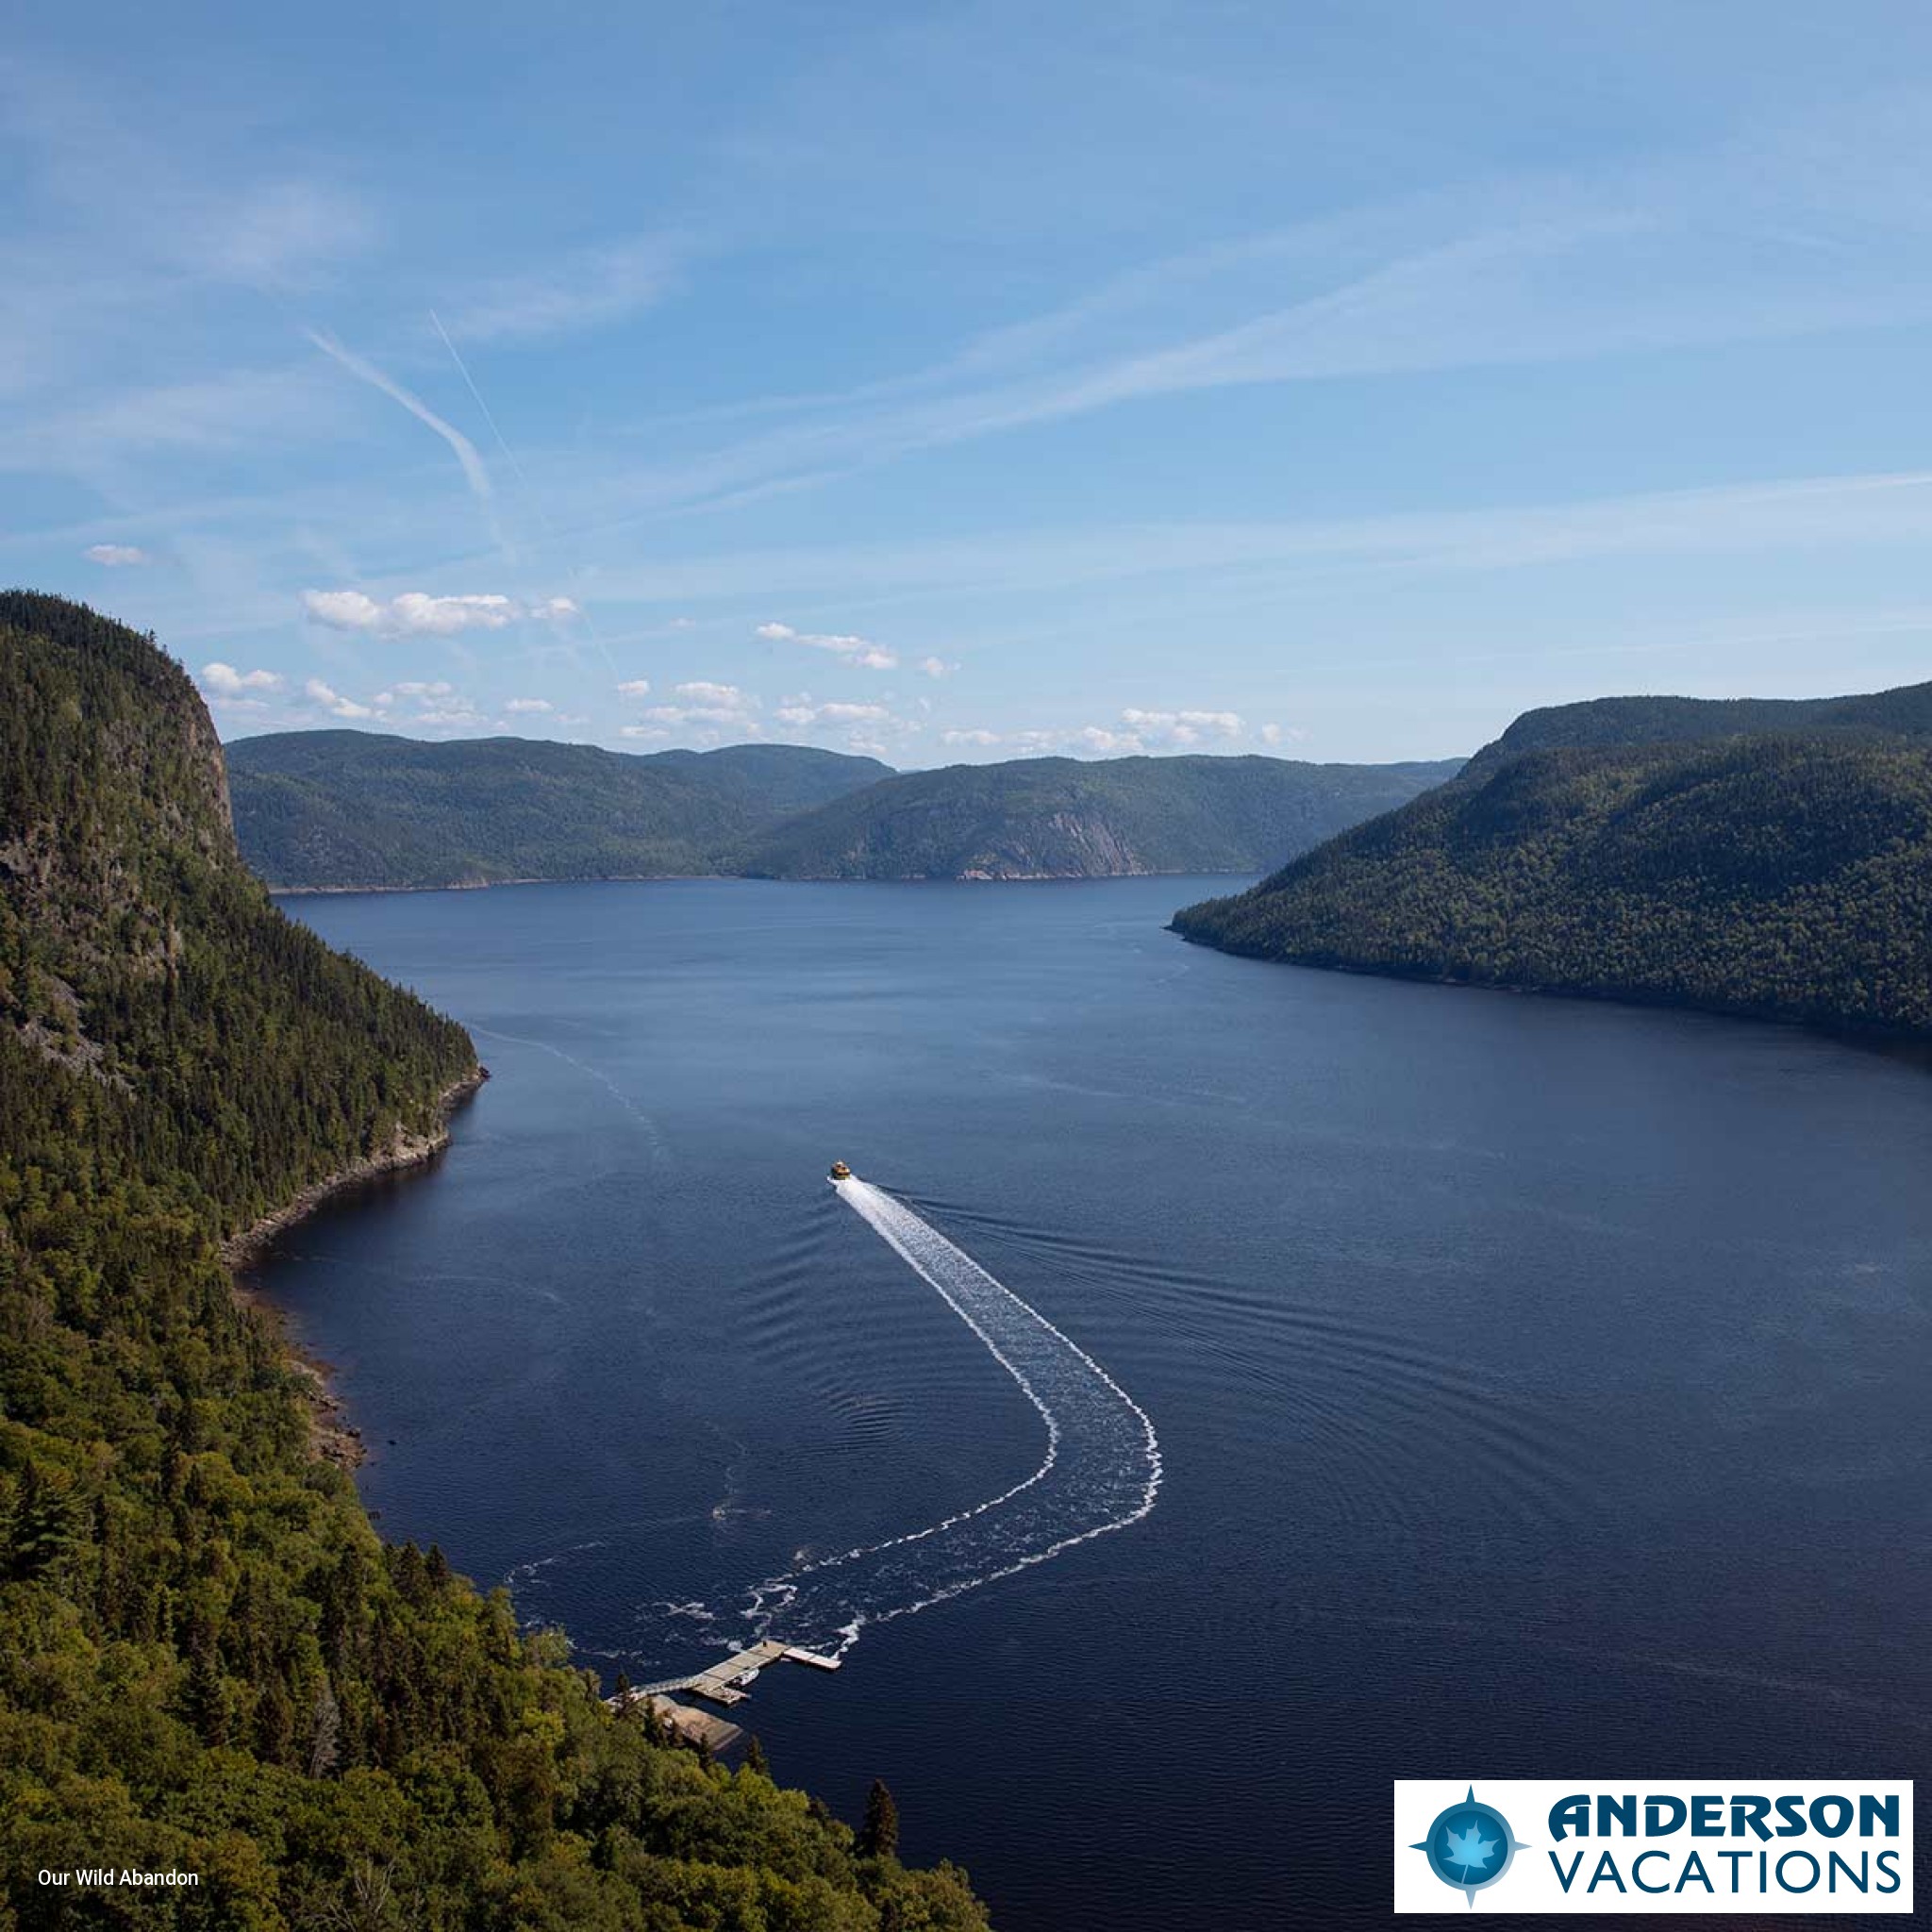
1701, 1845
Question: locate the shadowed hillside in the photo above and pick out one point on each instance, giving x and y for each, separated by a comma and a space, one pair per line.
1789, 877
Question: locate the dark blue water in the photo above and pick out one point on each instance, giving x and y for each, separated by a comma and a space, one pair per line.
1540, 1386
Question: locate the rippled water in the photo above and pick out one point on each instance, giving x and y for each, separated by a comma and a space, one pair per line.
1539, 1386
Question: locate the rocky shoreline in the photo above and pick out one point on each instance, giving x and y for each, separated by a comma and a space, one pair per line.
335, 1439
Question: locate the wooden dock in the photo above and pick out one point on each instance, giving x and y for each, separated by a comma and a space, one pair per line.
720, 1684
724, 1683
694, 1726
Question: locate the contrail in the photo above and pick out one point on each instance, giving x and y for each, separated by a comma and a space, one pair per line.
474, 470
529, 491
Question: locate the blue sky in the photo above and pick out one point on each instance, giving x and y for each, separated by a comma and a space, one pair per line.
965, 382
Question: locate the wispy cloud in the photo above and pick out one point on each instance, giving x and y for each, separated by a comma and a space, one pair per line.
1797, 227
332, 701
862, 653
117, 555
585, 291
1796, 514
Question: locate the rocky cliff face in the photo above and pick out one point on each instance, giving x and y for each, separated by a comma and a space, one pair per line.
137, 949
115, 802
1061, 845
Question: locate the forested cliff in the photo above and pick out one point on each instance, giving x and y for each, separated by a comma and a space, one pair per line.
211, 1664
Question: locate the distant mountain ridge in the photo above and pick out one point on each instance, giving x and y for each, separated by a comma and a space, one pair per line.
342, 809
1775, 860
1067, 818
348, 808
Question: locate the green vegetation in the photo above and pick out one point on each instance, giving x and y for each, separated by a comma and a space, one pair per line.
1054, 818
1599, 724
357, 808
1787, 877
210, 1663
331, 808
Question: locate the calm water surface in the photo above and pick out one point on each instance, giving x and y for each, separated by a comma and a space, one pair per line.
1540, 1387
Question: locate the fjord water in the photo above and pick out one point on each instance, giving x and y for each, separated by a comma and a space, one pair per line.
1540, 1386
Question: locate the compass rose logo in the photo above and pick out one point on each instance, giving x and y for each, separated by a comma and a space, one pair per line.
1470, 1846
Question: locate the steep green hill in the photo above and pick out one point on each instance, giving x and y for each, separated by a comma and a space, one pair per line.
1601, 721
1050, 817
1779, 877
209, 1662
359, 808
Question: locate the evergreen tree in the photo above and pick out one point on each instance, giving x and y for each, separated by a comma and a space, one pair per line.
878, 1837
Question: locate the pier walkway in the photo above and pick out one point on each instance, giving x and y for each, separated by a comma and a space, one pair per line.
722, 1682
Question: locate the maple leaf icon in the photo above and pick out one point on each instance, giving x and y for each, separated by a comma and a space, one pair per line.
1470, 1849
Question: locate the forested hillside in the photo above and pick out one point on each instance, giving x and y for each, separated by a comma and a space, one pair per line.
1778, 877
1053, 817
210, 1663
357, 808
1599, 723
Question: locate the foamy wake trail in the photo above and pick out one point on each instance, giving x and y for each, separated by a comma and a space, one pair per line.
1101, 1472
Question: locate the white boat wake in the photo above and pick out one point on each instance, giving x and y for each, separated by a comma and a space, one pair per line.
1102, 1469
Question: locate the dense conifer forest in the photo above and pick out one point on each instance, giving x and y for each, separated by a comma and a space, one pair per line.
332, 808
363, 809
1788, 878
209, 1661
1032, 818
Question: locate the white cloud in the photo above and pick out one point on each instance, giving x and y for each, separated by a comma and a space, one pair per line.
410, 687
937, 667
117, 555
527, 705
868, 728
1182, 727
635, 688
1134, 733
861, 653
415, 613
332, 701
703, 707
1098, 739
223, 681
343, 609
